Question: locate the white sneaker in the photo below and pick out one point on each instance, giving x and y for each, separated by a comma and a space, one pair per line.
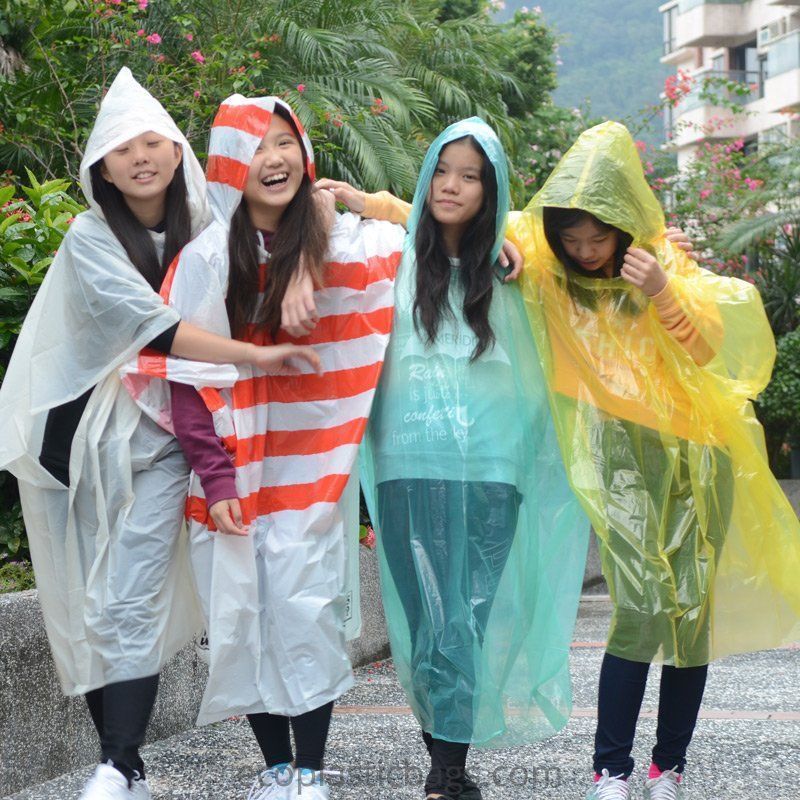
107, 783
666, 786
272, 783
610, 787
140, 789
309, 784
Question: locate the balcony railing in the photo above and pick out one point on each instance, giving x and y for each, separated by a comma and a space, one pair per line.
784, 54
688, 5
709, 86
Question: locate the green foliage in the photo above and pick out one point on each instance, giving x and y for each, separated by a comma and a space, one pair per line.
13, 539
371, 101
16, 576
31, 229
779, 403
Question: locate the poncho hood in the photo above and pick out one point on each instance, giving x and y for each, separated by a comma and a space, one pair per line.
487, 138
602, 174
129, 110
238, 129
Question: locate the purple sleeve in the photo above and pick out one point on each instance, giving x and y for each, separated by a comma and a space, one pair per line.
194, 429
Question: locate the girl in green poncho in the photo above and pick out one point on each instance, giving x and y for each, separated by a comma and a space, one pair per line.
482, 544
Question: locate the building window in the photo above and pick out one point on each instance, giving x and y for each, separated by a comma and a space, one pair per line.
763, 74
670, 23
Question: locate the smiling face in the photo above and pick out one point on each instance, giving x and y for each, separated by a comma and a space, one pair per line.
275, 175
456, 193
591, 246
142, 168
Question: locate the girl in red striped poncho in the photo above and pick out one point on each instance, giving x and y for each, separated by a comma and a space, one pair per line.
273, 454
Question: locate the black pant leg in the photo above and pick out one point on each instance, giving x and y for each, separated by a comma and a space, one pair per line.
94, 701
622, 685
311, 736
272, 734
448, 766
679, 700
127, 707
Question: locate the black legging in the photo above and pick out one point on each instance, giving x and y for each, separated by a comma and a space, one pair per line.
310, 736
622, 685
120, 712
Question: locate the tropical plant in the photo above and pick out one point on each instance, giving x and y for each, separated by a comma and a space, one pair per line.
372, 80
31, 230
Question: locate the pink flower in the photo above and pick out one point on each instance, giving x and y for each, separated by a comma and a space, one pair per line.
368, 539
189, 37
704, 193
301, 87
142, 4
753, 184
641, 146
337, 123
140, 32
154, 38
198, 57
197, 93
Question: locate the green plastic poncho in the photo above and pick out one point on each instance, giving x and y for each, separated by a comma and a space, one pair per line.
481, 542
699, 545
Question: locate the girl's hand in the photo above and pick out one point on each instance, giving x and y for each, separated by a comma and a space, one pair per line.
643, 270
227, 516
510, 256
327, 205
277, 358
681, 241
353, 198
298, 310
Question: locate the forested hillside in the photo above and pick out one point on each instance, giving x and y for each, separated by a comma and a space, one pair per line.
610, 52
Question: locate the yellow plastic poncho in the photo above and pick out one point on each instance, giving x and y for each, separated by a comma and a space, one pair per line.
699, 545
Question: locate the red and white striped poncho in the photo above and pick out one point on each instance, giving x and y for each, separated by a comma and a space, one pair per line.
277, 601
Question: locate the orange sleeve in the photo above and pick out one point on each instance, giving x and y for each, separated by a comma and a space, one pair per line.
385, 206
679, 327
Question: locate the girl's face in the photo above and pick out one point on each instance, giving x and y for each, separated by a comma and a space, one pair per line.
591, 246
143, 167
275, 175
456, 193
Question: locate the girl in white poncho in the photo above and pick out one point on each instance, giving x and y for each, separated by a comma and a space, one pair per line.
102, 486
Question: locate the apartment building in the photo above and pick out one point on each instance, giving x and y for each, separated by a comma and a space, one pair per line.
755, 43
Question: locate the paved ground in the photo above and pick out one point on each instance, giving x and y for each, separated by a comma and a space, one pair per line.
747, 743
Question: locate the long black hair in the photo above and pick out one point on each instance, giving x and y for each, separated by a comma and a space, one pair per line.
557, 220
303, 231
476, 274
135, 237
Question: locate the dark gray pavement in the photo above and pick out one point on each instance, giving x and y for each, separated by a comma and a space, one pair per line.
747, 743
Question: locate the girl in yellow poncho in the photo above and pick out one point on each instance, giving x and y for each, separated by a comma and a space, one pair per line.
651, 363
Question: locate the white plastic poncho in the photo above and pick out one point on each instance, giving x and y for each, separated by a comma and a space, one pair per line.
116, 597
281, 601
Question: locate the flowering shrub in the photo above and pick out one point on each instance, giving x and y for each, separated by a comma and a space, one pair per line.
33, 221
